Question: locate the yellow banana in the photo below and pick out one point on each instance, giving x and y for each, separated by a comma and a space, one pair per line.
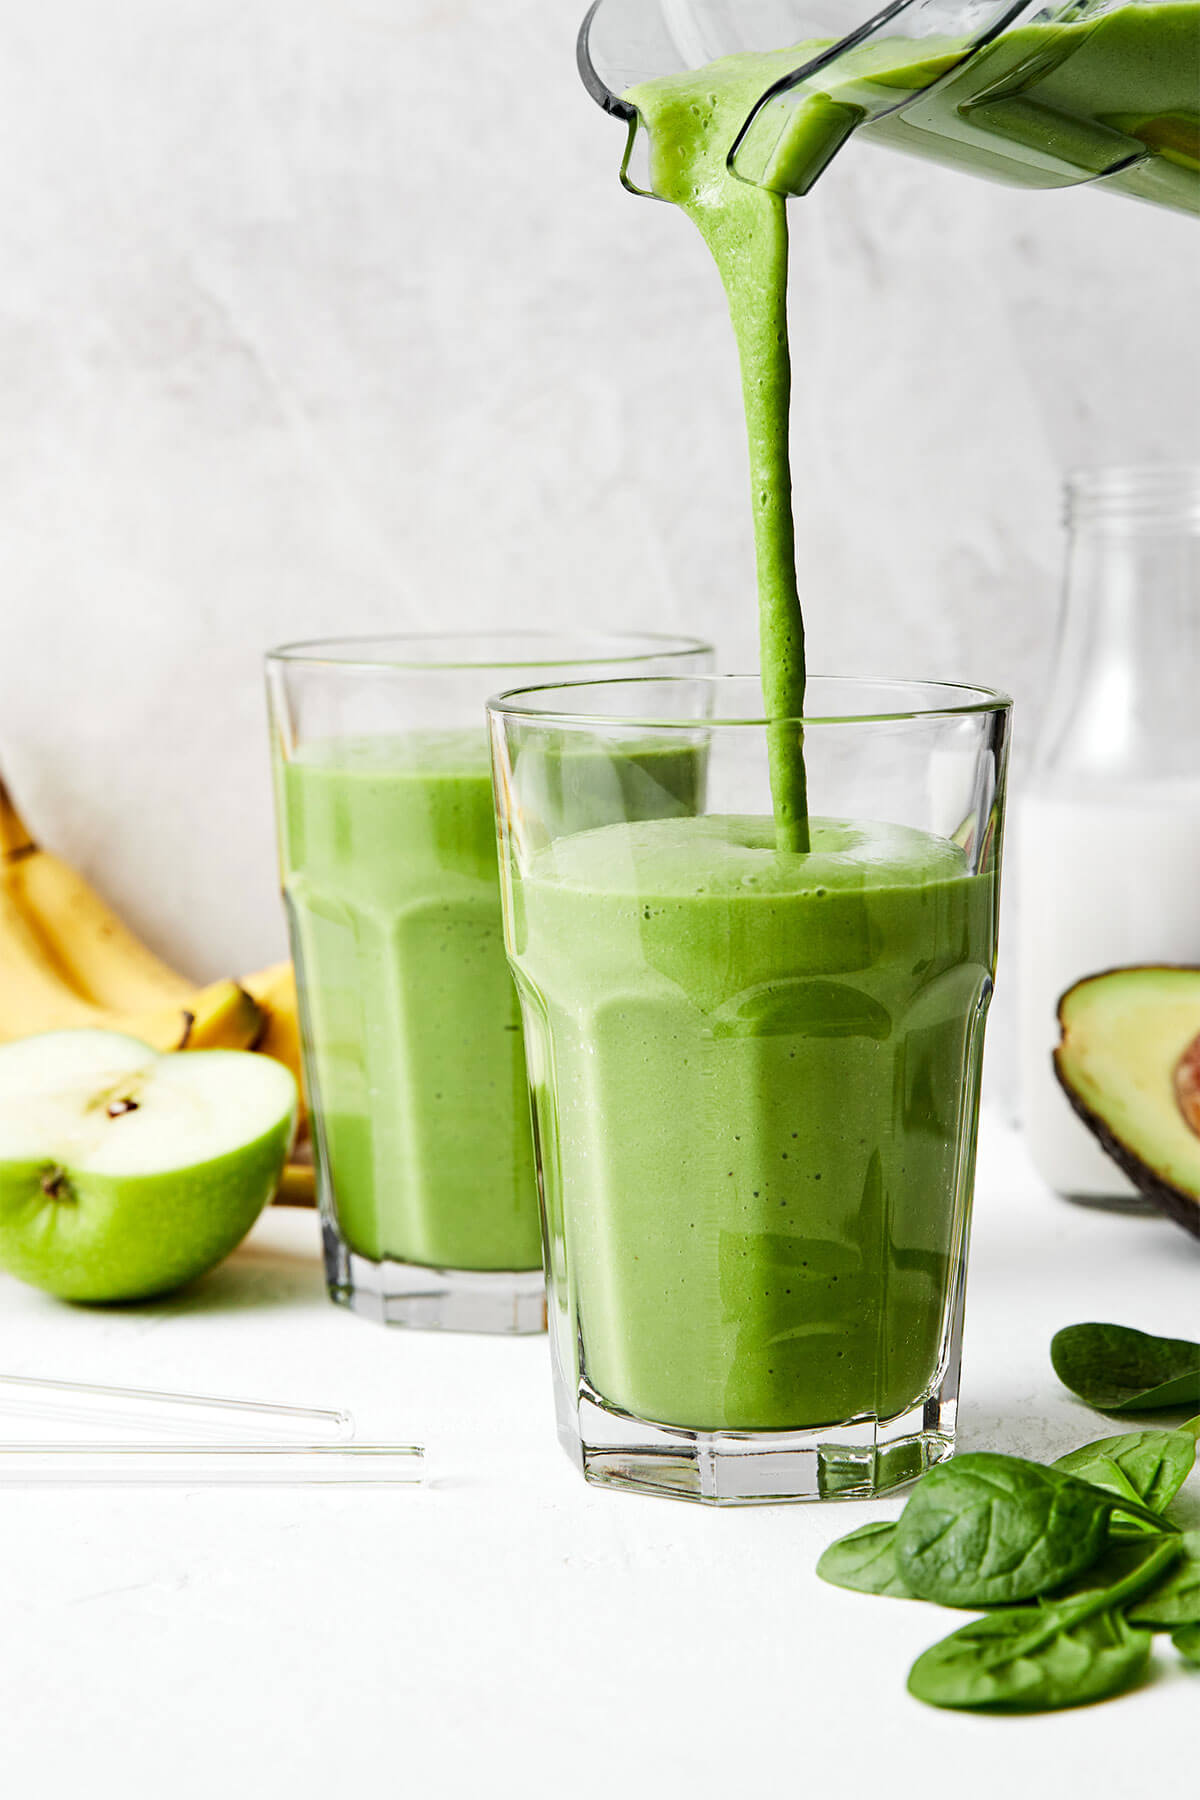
68, 960
34, 997
92, 949
275, 991
297, 1186
222, 1016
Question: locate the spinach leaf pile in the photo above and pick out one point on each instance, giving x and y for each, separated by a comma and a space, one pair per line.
1077, 1564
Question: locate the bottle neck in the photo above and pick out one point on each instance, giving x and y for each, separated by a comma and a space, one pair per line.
1125, 698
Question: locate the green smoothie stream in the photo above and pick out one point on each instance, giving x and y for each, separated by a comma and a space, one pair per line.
693, 120
1044, 103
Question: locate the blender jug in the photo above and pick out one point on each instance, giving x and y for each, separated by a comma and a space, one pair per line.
1035, 95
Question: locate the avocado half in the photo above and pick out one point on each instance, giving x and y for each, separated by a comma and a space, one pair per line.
1129, 1063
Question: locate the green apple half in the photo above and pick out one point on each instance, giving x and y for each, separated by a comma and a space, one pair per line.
125, 1173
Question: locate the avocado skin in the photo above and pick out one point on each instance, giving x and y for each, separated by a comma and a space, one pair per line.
1182, 1207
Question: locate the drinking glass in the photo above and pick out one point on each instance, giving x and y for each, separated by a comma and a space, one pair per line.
755, 1075
412, 1044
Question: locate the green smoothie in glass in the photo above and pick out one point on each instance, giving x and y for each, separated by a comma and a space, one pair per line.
758, 1099
415, 1061
755, 1075
412, 1040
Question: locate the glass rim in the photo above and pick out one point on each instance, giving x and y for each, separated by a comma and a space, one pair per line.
962, 700
339, 653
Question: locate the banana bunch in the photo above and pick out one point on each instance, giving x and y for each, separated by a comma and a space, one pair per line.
68, 961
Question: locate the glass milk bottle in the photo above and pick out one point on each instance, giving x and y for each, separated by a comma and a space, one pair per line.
1108, 840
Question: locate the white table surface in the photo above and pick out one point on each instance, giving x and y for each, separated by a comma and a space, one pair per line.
508, 1630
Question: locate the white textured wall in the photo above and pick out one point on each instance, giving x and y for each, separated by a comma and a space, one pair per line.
325, 317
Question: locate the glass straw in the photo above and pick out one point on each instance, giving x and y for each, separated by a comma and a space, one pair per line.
210, 1465
82, 1402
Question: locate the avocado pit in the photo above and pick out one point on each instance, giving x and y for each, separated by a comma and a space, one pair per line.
1187, 1085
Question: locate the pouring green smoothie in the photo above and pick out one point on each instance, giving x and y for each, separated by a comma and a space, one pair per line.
693, 121
1114, 95
754, 1034
754, 1038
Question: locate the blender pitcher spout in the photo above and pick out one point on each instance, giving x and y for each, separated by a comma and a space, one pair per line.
1034, 94
798, 122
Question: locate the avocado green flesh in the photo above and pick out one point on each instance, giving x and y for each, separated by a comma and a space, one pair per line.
1124, 1033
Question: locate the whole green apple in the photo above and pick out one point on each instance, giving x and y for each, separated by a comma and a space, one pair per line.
125, 1173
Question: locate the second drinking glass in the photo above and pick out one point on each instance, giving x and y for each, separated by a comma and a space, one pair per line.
411, 1035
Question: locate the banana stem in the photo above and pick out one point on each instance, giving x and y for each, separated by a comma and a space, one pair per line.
16, 839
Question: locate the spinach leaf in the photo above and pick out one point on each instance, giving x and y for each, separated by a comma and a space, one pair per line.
1176, 1599
988, 1530
1117, 1369
1125, 1557
866, 1562
1031, 1659
1150, 1466
1038, 1658
1187, 1642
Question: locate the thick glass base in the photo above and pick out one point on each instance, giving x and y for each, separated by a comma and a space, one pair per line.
856, 1461
500, 1303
